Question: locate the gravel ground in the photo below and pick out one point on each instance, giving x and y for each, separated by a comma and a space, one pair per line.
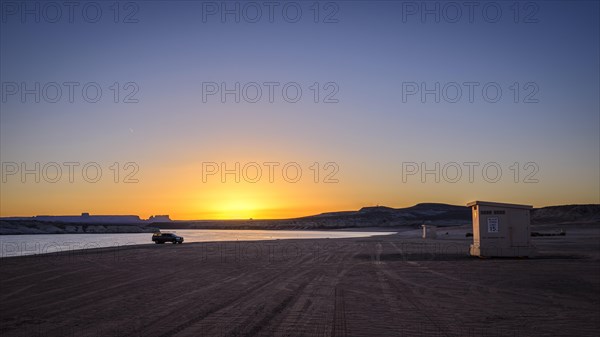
396, 285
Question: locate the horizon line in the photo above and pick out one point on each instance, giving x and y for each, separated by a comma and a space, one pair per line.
83, 214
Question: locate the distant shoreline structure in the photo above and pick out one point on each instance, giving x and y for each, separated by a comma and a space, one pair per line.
95, 219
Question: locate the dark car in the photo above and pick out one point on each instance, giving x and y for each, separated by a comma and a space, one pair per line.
166, 237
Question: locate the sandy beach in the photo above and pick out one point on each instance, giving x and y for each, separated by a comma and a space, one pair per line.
395, 285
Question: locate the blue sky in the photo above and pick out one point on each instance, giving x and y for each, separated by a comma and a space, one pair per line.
368, 54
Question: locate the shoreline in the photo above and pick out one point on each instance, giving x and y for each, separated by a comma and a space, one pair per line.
348, 229
20, 246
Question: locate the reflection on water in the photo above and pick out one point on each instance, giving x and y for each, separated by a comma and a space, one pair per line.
30, 244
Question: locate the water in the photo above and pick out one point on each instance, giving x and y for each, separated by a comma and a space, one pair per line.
30, 244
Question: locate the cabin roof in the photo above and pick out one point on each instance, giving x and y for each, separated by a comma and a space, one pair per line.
497, 204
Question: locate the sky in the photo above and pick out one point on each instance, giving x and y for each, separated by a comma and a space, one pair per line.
240, 109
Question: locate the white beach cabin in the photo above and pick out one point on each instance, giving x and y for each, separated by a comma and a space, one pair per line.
501, 230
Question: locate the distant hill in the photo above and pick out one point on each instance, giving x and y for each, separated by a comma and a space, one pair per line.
388, 217
566, 214
377, 216
441, 214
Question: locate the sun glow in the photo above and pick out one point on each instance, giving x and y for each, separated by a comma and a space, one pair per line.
227, 201
237, 209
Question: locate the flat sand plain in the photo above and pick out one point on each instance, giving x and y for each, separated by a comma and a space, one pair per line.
395, 285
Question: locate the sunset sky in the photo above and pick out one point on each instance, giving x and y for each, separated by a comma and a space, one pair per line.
370, 133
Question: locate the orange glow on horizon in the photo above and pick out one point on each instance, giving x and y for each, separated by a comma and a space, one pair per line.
178, 191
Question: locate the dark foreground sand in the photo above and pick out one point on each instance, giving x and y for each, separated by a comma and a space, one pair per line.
381, 286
